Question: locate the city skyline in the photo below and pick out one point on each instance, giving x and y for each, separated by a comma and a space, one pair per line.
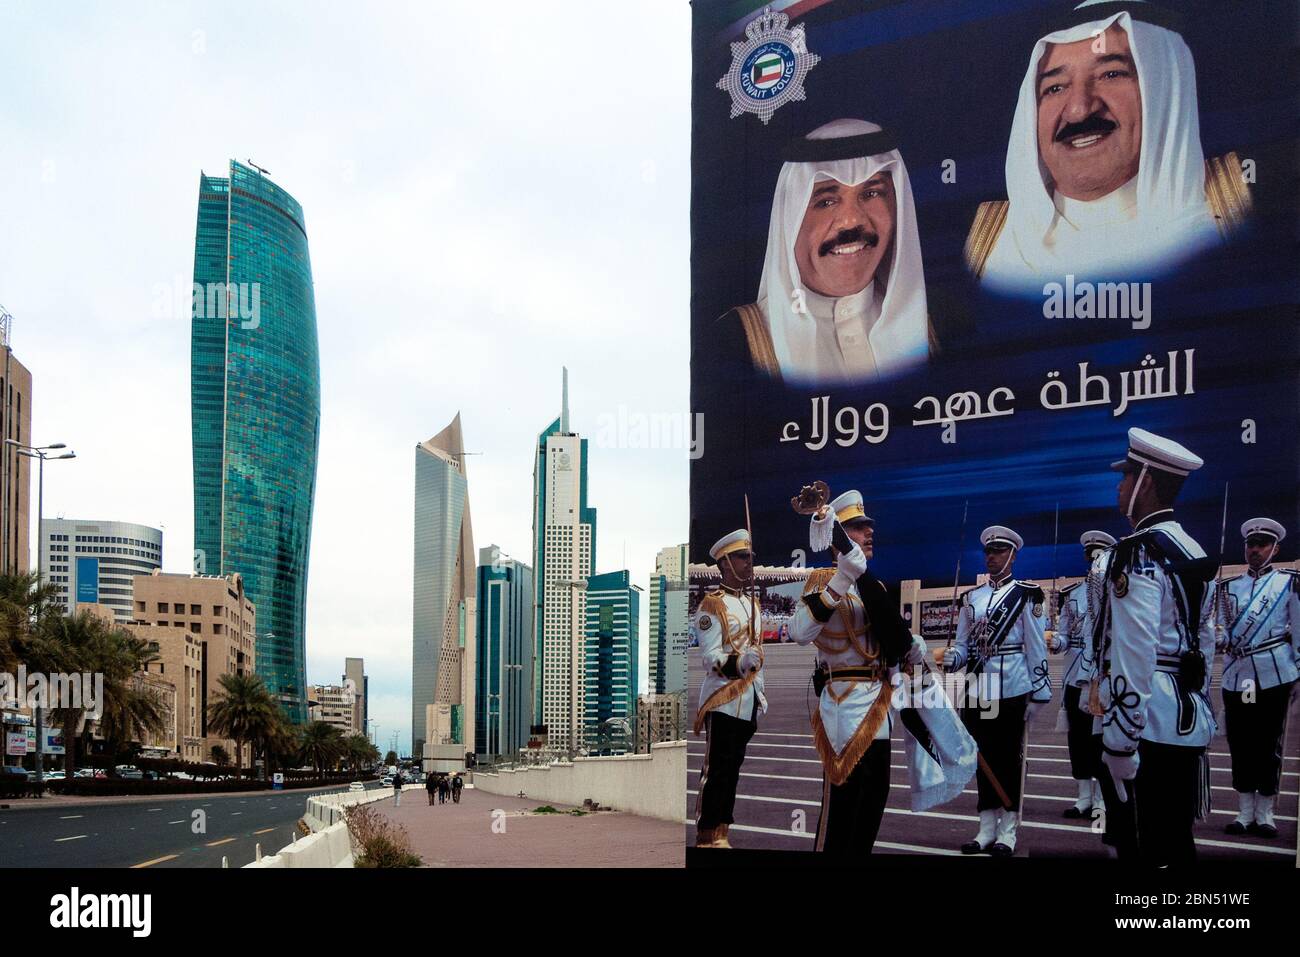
401, 345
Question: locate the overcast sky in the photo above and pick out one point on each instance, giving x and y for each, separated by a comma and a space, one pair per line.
488, 196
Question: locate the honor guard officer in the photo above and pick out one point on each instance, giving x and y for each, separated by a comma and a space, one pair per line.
860, 636
1156, 644
1000, 640
1259, 617
1073, 625
730, 631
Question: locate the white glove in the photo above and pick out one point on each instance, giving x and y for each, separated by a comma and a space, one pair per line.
749, 661
916, 654
950, 656
848, 569
1122, 767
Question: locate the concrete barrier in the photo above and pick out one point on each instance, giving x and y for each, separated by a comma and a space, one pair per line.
329, 844
651, 785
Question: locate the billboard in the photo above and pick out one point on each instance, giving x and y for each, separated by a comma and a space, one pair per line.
88, 580
948, 254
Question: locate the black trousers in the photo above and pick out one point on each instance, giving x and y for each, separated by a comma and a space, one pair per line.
1255, 737
726, 738
851, 812
1085, 748
1154, 827
1001, 740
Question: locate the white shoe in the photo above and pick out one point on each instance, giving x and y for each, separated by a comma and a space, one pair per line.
984, 837
1264, 825
1005, 843
1245, 818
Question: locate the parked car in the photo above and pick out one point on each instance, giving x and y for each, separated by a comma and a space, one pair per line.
55, 775
13, 771
129, 772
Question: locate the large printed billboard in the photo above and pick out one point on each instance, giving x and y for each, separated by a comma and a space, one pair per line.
948, 254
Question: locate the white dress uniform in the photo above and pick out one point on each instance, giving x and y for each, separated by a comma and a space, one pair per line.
1258, 626
1157, 647
1000, 640
729, 627
726, 623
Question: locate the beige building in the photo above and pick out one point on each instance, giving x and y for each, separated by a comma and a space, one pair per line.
218, 621
15, 469
659, 719
164, 692
335, 705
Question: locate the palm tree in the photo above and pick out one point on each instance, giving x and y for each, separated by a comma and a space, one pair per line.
245, 712
220, 756
360, 752
322, 744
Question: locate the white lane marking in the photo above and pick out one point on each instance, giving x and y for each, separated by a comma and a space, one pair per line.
60, 840
70, 817
182, 821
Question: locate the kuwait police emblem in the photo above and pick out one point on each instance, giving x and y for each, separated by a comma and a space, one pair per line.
767, 67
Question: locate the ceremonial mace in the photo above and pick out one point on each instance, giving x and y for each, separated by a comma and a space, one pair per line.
812, 500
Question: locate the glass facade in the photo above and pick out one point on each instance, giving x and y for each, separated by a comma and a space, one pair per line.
255, 410
611, 629
503, 676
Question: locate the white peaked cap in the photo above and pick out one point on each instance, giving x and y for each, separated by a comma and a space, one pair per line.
1001, 535
732, 542
1263, 526
1157, 452
1096, 537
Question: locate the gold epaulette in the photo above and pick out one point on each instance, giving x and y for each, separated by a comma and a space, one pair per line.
818, 579
759, 337
713, 604
984, 232
1227, 193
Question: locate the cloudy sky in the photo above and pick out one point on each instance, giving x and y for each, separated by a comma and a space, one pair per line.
487, 198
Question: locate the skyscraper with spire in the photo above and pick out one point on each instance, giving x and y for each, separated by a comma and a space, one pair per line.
564, 556
444, 612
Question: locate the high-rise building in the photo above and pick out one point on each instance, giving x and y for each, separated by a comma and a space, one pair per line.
255, 410
504, 685
15, 469
336, 705
443, 619
564, 556
669, 591
612, 617
91, 562
659, 718
354, 677
217, 617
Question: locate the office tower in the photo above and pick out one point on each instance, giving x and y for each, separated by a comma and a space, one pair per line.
442, 653
216, 614
504, 686
90, 562
354, 677
669, 590
255, 410
564, 555
15, 469
611, 624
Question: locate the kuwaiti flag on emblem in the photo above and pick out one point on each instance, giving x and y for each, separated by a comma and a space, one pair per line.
768, 68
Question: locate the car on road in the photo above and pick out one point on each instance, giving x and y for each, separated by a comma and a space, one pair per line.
356, 786
386, 781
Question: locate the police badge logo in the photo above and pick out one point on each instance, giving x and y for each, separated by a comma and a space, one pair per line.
706, 622
1121, 585
768, 67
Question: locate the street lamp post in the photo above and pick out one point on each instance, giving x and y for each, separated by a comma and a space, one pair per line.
41, 453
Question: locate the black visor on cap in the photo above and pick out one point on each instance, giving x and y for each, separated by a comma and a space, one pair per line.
1146, 12
804, 150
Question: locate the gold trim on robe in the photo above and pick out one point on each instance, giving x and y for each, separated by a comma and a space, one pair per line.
1226, 193
713, 604
840, 766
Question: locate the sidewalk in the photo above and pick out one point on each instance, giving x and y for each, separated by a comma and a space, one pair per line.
462, 835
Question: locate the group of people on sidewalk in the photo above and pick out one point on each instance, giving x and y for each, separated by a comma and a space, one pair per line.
441, 787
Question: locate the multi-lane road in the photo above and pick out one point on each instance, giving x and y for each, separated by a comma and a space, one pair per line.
192, 831
781, 784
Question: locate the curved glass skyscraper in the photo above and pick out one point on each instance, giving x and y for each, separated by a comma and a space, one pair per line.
255, 410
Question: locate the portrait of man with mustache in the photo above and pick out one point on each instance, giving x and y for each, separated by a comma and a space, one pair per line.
1106, 177
842, 296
